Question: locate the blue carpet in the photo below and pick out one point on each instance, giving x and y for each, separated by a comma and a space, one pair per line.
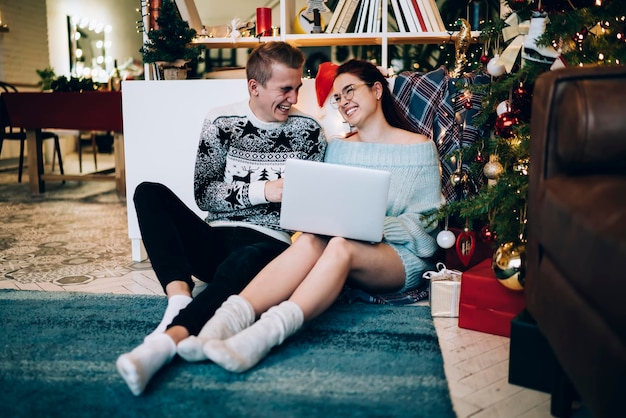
58, 353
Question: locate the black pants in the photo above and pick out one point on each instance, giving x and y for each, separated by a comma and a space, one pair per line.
180, 245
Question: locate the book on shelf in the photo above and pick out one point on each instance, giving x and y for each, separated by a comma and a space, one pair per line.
342, 15
335, 16
429, 11
420, 17
440, 26
411, 20
375, 16
397, 14
371, 16
361, 17
392, 23
347, 17
379, 16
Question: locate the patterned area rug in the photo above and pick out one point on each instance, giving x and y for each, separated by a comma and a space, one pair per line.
63, 242
59, 349
74, 233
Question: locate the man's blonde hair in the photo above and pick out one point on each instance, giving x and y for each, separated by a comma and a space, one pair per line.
259, 65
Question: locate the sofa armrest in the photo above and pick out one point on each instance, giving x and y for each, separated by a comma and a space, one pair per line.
577, 126
577, 123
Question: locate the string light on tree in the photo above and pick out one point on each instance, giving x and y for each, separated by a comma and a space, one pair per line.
487, 235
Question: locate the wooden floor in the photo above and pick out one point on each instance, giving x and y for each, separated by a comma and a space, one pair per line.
476, 364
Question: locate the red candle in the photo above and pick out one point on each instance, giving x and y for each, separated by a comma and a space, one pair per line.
263, 21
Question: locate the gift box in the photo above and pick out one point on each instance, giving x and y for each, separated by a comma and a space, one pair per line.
485, 304
445, 291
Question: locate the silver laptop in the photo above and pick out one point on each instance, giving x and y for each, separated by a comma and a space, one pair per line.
335, 200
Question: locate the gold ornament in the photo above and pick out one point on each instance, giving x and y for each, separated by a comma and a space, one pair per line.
493, 170
458, 178
508, 265
460, 45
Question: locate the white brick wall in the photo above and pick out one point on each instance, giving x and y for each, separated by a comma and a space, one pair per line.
24, 48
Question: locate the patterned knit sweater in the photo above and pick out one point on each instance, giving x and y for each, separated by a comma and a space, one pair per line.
238, 153
415, 192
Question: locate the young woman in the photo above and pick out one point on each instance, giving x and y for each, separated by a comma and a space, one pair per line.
305, 279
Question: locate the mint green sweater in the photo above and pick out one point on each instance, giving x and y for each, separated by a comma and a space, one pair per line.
415, 191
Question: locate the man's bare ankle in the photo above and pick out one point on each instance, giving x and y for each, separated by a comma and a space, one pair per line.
177, 287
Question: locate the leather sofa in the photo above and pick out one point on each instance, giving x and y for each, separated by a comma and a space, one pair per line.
576, 251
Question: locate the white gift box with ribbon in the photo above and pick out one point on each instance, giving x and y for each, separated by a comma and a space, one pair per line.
445, 291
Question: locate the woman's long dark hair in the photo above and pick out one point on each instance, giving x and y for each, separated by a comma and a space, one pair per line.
369, 74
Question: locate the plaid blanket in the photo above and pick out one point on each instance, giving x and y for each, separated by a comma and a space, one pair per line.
444, 113
349, 295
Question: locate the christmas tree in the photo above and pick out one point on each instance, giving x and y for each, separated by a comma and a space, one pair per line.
170, 41
531, 38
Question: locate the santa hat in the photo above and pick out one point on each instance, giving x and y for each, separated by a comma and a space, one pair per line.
324, 81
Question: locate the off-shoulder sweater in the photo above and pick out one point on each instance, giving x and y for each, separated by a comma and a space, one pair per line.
414, 195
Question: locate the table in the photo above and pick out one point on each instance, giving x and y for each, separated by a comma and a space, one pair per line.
83, 111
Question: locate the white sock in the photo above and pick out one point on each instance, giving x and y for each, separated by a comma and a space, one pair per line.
235, 314
245, 349
174, 305
138, 366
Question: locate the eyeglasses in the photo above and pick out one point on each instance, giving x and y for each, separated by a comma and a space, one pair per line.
347, 93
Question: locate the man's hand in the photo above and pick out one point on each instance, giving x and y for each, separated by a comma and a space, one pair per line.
274, 190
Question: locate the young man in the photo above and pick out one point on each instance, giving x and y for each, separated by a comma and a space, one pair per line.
238, 181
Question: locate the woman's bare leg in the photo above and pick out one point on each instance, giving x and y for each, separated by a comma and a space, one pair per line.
278, 280
376, 267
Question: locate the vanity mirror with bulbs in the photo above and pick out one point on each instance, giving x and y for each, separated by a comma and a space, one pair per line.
89, 46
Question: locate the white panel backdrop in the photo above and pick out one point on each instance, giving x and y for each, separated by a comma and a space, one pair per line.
162, 123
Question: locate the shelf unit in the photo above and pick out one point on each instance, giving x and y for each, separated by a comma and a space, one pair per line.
288, 9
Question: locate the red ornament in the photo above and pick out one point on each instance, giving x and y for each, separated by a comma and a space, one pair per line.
505, 123
465, 245
487, 235
522, 102
484, 59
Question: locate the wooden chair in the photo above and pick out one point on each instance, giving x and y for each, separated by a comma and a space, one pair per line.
7, 131
91, 136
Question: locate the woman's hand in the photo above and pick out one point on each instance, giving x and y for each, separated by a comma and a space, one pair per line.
274, 190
